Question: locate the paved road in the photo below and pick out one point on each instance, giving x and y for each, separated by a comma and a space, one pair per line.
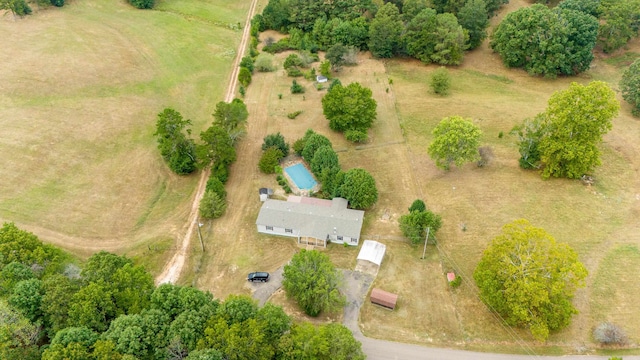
356, 286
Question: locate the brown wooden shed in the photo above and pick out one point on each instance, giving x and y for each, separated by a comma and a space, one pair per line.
383, 298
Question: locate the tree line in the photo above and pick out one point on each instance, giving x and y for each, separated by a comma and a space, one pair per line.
434, 32
543, 41
109, 309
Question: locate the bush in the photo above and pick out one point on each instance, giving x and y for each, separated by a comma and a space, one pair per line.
417, 205
441, 81
18, 7
275, 140
58, 3
269, 160
214, 184
609, 334
630, 86
142, 4
221, 172
456, 282
264, 63
294, 114
294, 72
244, 76
296, 88
247, 62
280, 46
293, 60
212, 205
357, 136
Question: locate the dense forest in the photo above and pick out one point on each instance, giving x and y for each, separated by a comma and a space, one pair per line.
542, 40
109, 309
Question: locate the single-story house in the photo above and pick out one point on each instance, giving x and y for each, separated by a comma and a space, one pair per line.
311, 221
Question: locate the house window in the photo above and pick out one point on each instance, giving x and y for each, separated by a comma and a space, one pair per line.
354, 241
270, 228
290, 231
340, 238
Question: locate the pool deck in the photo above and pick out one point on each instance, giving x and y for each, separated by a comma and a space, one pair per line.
290, 161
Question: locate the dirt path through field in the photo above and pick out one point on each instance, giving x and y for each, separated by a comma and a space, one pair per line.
173, 269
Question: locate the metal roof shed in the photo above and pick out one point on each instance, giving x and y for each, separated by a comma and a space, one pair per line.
383, 298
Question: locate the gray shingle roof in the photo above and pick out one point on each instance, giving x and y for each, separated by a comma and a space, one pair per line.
312, 220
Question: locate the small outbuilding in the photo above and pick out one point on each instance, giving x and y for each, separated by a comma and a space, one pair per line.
321, 79
265, 193
383, 298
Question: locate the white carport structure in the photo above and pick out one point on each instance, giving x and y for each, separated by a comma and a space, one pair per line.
370, 257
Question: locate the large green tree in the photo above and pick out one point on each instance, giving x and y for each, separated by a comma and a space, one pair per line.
216, 148
177, 149
332, 341
18, 336
313, 281
414, 225
456, 141
350, 107
21, 246
232, 117
359, 188
619, 23
324, 158
385, 32
474, 17
313, 143
573, 126
529, 278
566, 39
630, 86
449, 41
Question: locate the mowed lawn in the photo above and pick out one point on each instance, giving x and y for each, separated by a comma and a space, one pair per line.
81, 87
600, 222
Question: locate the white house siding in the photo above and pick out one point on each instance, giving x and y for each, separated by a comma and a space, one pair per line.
274, 230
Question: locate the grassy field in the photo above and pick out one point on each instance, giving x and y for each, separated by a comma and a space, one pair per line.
474, 202
81, 87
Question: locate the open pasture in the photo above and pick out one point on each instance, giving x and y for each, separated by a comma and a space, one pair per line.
81, 87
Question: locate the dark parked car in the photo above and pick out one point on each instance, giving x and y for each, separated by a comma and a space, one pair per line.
258, 276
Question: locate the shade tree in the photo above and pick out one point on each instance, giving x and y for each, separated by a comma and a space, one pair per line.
569, 38
313, 281
573, 125
350, 107
177, 149
414, 224
359, 188
456, 141
529, 278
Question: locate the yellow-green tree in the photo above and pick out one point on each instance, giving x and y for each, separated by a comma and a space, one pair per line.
529, 278
573, 126
456, 141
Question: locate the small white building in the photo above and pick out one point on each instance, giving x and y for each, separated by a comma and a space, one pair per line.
321, 79
311, 221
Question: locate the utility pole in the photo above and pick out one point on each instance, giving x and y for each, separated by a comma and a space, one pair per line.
425, 243
199, 224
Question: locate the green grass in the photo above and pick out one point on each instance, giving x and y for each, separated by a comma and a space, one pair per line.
623, 60
614, 293
81, 89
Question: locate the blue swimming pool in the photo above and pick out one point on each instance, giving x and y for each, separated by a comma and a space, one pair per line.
301, 176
